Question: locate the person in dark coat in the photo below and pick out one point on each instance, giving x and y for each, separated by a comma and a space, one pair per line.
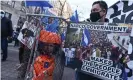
98, 14
16, 36
6, 34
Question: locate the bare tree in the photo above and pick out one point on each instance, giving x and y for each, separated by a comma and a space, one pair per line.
62, 5
60, 57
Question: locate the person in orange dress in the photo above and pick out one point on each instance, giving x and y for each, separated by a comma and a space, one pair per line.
45, 63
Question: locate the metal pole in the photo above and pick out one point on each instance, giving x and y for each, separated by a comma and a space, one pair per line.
44, 15
32, 55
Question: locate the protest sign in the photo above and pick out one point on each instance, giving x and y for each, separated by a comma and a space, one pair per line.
121, 12
28, 33
101, 47
99, 68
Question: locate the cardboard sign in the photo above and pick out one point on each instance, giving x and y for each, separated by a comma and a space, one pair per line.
27, 34
101, 67
101, 47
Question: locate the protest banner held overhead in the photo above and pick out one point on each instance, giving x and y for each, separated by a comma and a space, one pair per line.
28, 33
100, 50
121, 12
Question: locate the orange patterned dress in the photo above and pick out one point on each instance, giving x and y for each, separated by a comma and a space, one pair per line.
43, 63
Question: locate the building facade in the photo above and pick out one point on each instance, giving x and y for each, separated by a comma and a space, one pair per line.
15, 10
62, 8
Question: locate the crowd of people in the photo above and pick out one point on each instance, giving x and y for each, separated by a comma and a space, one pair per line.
100, 46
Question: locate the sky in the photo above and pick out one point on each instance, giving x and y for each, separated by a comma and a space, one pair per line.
84, 7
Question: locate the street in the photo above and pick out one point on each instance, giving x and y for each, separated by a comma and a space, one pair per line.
8, 68
94, 37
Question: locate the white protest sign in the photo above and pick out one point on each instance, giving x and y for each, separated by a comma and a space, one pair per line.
101, 67
27, 34
99, 27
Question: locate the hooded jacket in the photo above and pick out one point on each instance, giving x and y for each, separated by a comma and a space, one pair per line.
6, 27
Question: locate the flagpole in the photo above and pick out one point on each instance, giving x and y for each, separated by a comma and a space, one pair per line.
44, 15
82, 36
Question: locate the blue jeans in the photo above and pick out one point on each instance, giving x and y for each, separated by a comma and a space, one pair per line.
4, 45
76, 75
67, 60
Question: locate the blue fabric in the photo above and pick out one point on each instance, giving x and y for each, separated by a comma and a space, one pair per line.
76, 75
67, 61
38, 3
52, 27
4, 45
86, 38
74, 17
63, 36
124, 74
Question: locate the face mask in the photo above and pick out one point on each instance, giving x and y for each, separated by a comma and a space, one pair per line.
95, 16
2, 15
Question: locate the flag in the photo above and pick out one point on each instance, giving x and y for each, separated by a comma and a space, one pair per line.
53, 27
38, 3
74, 17
51, 24
63, 36
85, 37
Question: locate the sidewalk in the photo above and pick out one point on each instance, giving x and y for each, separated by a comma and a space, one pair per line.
8, 67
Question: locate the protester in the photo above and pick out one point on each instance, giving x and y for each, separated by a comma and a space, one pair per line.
98, 52
45, 63
98, 14
72, 54
108, 53
78, 52
16, 36
24, 55
123, 59
6, 34
69, 55
123, 42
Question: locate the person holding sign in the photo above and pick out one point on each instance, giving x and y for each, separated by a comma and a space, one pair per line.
98, 14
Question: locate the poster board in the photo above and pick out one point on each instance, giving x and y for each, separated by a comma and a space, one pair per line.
101, 47
28, 33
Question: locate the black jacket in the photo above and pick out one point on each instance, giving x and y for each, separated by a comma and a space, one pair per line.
6, 27
88, 20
